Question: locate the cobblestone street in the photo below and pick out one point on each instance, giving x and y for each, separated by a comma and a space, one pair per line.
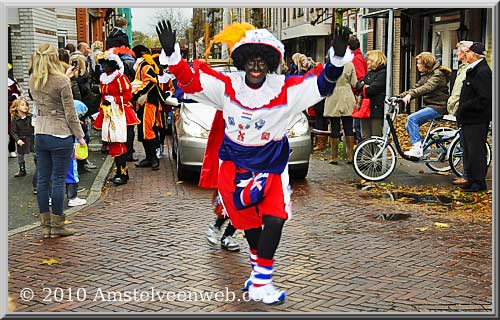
334, 255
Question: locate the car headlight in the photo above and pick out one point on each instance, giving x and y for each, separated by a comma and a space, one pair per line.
299, 128
193, 129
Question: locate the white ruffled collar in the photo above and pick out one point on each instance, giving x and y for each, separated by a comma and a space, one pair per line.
106, 79
137, 63
256, 98
10, 82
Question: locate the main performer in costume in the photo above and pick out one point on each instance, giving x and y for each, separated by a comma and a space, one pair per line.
254, 106
116, 116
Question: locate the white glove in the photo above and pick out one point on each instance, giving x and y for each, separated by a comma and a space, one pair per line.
171, 101
174, 59
340, 61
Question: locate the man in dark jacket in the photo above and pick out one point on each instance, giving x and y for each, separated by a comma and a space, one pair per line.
474, 116
118, 37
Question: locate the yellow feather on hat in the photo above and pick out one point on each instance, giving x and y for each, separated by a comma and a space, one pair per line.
230, 35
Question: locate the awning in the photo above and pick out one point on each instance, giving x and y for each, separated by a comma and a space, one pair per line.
381, 13
413, 12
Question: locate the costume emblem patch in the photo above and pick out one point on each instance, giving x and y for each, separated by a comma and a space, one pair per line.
246, 115
241, 135
265, 136
231, 121
259, 124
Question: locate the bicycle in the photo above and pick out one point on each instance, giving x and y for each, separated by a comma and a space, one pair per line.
375, 158
456, 154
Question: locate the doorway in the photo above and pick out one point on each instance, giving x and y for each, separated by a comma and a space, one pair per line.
444, 41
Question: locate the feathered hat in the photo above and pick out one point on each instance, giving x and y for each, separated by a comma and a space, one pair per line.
123, 50
109, 55
238, 34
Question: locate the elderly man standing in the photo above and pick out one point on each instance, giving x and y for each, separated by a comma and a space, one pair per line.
454, 98
474, 115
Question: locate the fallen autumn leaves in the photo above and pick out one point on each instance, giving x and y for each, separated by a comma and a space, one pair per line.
449, 203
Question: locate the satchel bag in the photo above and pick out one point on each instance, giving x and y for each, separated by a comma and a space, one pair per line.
114, 125
364, 109
81, 152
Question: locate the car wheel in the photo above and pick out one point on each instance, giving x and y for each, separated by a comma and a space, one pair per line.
299, 174
181, 171
174, 147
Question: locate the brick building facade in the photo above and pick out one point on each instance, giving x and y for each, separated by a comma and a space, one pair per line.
28, 28
34, 27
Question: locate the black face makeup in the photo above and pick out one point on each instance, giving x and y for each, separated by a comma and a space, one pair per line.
107, 66
256, 69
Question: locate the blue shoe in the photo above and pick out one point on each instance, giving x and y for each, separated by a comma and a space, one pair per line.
247, 284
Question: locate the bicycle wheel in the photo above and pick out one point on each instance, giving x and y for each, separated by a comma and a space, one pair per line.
435, 153
456, 157
370, 168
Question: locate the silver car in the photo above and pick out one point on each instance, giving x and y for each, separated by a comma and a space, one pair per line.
192, 123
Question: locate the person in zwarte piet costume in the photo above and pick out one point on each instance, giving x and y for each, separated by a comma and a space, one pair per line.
248, 150
116, 115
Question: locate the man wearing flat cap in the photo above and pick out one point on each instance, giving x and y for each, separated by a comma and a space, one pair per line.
474, 116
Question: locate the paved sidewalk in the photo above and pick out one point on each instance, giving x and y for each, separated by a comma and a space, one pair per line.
22, 202
333, 257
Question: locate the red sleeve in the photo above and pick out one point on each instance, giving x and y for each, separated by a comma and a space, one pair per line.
125, 88
99, 119
188, 81
360, 67
101, 90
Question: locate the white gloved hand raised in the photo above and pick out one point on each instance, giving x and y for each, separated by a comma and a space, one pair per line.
340, 61
173, 59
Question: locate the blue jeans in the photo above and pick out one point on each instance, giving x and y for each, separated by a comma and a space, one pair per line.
53, 157
415, 120
357, 129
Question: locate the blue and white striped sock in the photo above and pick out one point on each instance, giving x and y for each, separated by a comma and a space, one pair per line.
263, 272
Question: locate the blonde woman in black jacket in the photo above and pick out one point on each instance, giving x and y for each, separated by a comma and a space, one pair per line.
374, 85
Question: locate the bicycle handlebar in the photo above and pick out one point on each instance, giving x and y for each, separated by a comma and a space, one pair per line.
394, 100
393, 103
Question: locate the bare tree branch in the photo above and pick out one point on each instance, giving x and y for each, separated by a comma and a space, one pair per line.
179, 20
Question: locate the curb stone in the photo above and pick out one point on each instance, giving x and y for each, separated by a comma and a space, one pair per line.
93, 196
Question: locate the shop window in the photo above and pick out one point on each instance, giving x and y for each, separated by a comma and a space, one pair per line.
61, 42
